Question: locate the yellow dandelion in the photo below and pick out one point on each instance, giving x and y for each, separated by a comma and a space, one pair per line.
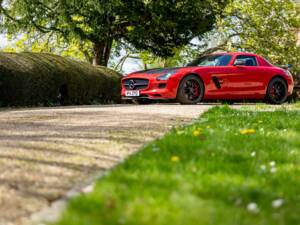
248, 131
175, 159
197, 132
130, 28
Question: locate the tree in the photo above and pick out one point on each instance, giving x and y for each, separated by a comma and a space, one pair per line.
264, 27
149, 60
49, 43
268, 28
153, 25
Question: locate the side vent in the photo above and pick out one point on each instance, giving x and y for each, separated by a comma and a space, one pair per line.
216, 82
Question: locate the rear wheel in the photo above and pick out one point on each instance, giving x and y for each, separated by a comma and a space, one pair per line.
277, 91
191, 90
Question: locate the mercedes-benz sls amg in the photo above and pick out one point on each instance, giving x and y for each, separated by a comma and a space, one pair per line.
227, 77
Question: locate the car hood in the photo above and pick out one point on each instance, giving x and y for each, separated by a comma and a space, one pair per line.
154, 72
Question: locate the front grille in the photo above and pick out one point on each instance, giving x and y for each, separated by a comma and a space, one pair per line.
135, 84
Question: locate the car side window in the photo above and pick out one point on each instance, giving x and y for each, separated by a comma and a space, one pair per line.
249, 60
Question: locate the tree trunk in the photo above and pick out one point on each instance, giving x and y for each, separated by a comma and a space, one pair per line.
102, 53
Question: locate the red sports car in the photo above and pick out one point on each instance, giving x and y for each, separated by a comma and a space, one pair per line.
226, 76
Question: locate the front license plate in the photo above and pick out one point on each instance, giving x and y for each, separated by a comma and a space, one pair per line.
132, 93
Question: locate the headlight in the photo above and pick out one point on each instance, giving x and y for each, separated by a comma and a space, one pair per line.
166, 76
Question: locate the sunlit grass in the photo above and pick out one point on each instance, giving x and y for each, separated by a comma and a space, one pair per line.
268, 107
231, 168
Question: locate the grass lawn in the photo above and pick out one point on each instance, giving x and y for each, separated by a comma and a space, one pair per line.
229, 168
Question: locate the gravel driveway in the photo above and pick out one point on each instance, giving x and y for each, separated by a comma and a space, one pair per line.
45, 152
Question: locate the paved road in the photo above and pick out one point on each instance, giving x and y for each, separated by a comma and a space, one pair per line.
45, 152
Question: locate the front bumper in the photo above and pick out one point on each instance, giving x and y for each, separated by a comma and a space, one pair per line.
155, 89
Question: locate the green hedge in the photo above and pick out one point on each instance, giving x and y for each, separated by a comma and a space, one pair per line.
30, 79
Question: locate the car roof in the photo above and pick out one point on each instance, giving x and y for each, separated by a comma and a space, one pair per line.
262, 60
235, 53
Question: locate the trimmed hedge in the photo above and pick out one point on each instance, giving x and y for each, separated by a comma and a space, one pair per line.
31, 79
113, 83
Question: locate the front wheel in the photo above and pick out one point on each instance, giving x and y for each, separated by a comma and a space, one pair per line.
190, 91
277, 91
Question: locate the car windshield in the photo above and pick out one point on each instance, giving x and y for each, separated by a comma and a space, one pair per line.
212, 60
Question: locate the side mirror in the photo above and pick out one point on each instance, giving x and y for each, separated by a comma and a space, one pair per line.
240, 62
286, 67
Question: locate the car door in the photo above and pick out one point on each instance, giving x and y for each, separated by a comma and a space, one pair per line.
245, 80
216, 77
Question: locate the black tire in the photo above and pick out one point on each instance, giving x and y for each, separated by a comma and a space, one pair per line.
190, 91
143, 101
277, 91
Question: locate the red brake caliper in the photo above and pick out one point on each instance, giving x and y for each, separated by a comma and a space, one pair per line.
196, 91
273, 91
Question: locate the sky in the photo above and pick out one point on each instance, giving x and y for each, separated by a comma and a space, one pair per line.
3, 41
132, 65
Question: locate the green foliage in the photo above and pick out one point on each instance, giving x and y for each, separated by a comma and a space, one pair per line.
207, 173
50, 43
154, 25
29, 79
152, 61
268, 28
